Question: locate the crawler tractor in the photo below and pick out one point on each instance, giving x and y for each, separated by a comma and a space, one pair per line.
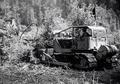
84, 47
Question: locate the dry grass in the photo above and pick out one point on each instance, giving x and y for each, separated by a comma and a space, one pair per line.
39, 74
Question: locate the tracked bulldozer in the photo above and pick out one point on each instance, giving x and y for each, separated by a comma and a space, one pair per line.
84, 47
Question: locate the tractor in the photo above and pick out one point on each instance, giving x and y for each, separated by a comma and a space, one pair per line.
84, 47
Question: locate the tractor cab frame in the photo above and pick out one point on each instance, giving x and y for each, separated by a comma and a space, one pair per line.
79, 39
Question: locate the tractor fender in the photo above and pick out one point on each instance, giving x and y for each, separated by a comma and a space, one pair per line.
89, 56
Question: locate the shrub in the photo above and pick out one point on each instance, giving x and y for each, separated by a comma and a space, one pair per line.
15, 48
19, 47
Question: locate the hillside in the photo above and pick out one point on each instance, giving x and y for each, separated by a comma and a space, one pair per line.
26, 29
